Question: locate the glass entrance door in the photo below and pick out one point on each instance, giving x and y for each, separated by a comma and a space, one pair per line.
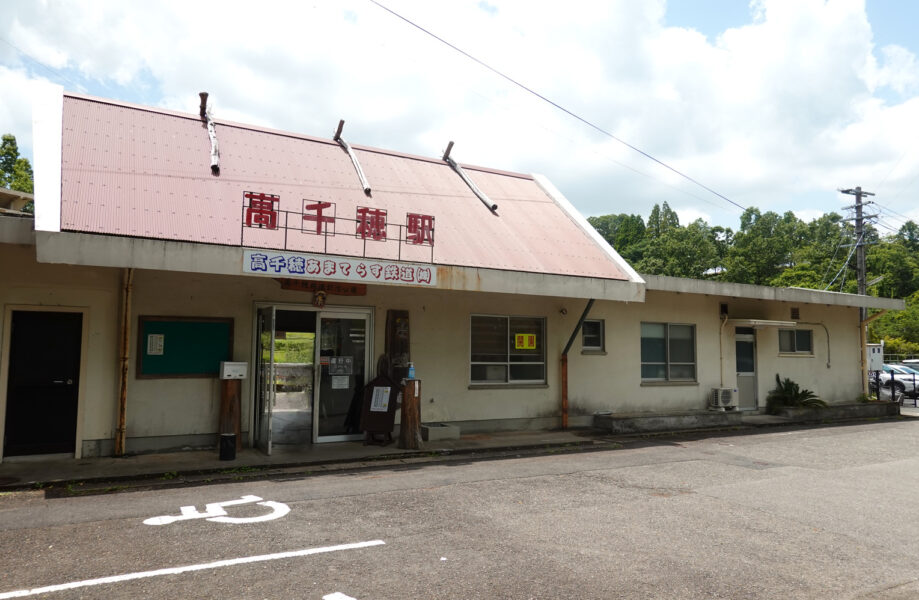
294, 353
342, 358
265, 378
309, 376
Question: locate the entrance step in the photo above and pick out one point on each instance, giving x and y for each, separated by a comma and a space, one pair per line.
439, 431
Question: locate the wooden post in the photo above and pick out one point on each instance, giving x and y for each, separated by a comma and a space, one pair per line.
230, 409
410, 424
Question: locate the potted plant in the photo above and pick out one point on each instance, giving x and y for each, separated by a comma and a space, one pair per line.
788, 394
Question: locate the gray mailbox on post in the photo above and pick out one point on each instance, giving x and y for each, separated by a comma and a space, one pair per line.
234, 370
231, 374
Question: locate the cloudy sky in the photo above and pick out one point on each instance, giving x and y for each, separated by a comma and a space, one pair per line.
773, 103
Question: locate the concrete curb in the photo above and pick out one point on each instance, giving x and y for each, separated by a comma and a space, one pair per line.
594, 440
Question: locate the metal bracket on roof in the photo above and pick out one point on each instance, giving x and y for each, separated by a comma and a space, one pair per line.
205, 113
357, 166
472, 186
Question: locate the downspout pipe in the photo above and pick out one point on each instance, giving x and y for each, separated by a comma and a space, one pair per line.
126, 294
564, 361
724, 321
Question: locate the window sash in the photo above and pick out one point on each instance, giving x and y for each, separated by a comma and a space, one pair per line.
593, 335
668, 352
494, 357
796, 341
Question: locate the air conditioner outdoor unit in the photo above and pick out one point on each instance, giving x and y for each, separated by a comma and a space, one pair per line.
723, 399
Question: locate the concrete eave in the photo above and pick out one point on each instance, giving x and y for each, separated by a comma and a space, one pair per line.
762, 292
17, 230
14, 200
162, 255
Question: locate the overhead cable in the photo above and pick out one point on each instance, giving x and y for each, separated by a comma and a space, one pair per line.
558, 106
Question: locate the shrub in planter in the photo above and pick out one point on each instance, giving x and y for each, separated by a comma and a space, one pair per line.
788, 394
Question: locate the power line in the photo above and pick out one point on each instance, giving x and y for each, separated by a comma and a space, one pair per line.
845, 264
892, 212
556, 105
54, 72
843, 235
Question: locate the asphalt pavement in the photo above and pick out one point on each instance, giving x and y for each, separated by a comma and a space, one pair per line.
782, 512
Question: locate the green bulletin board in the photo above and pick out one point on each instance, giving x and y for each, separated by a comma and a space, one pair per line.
182, 346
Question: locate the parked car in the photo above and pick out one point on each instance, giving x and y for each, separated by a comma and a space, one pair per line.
900, 378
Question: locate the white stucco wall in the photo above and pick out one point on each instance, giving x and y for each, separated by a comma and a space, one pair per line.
612, 382
439, 327
184, 409
27, 285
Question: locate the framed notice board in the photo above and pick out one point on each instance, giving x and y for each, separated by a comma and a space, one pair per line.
182, 346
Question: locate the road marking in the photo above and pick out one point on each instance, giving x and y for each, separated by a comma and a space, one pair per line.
187, 569
337, 596
214, 512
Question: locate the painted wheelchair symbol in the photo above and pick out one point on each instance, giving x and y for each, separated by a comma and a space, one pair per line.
215, 512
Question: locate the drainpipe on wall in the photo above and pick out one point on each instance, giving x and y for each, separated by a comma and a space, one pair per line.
564, 360
128, 279
724, 321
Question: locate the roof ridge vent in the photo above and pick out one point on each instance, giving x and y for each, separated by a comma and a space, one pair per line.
357, 166
472, 186
205, 112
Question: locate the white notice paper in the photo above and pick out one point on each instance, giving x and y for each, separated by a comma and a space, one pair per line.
155, 343
340, 382
380, 401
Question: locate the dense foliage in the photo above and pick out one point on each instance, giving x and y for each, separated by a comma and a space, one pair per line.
15, 171
779, 250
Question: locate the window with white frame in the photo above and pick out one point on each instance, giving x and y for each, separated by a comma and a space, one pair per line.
593, 335
796, 341
507, 349
668, 352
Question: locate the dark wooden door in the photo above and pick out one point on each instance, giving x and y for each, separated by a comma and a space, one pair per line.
43, 384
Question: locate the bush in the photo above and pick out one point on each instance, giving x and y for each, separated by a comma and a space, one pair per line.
787, 394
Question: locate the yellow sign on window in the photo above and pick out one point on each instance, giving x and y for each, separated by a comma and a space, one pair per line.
525, 341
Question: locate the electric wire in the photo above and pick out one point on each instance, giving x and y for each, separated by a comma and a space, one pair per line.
558, 106
54, 72
903, 217
846, 263
843, 235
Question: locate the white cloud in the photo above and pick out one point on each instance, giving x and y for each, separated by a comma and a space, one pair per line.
689, 215
774, 114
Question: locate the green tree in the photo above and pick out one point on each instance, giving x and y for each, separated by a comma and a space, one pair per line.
15, 171
816, 254
661, 220
624, 232
897, 265
681, 252
762, 248
899, 324
909, 236
9, 154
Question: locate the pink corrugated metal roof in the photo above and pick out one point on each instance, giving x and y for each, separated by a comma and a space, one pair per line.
135, 171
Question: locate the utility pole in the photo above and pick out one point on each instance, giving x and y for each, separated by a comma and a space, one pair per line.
860, 266
860, 270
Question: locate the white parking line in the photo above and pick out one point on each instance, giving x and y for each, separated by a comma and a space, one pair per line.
188, 568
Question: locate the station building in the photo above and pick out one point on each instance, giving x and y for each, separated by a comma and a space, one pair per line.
165, 243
